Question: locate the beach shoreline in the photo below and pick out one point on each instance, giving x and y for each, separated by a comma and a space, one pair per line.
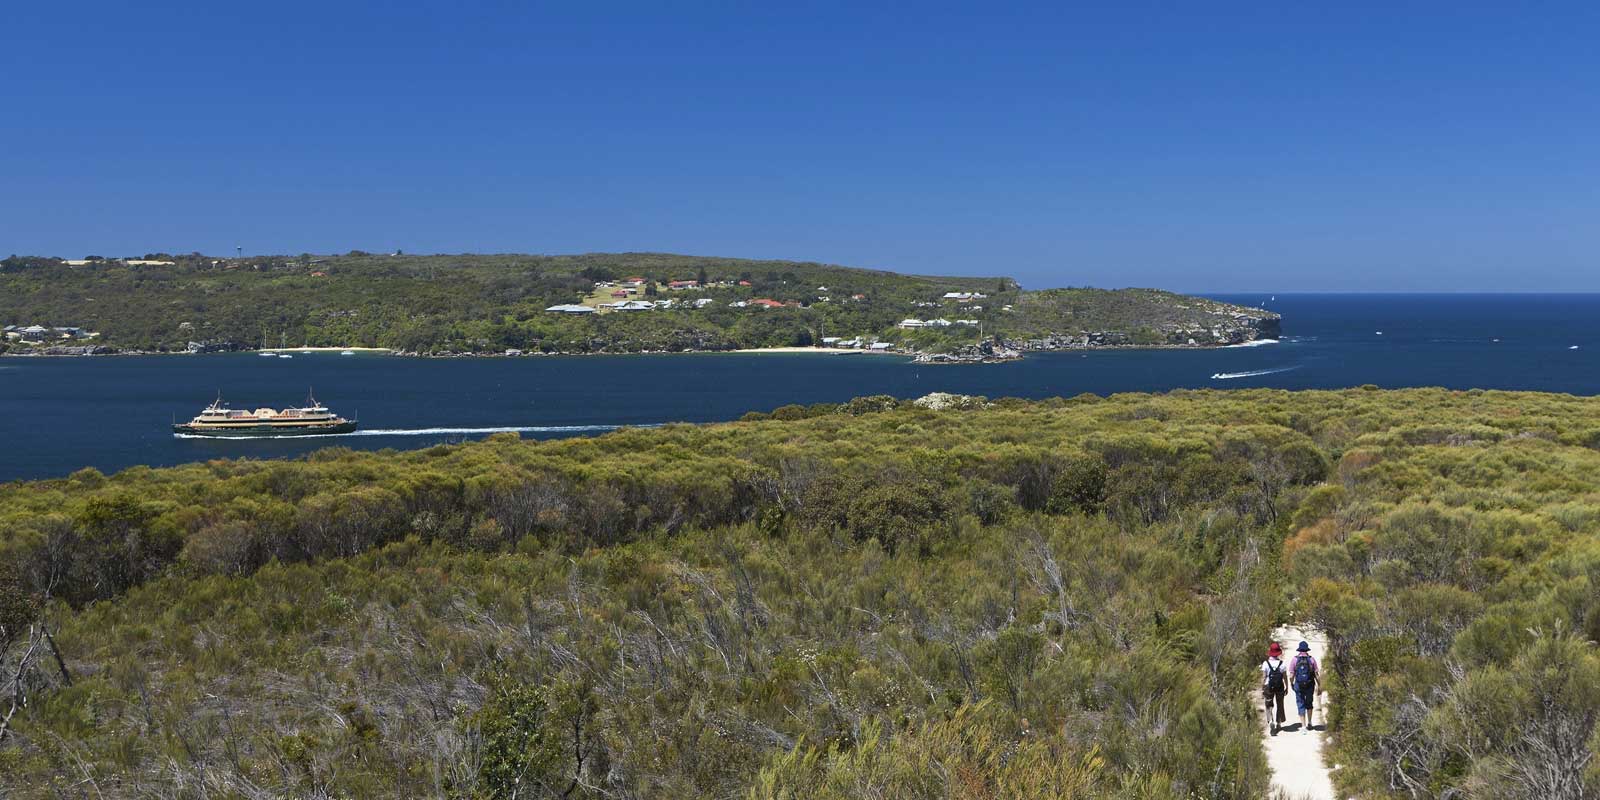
110, 351
837, 351
322, 350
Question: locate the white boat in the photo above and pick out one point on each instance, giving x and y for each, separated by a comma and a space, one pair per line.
1574, 347
267, 355
219, 420
347, 353
284, 355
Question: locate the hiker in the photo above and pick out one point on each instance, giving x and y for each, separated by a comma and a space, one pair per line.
1304, 675
1274, 685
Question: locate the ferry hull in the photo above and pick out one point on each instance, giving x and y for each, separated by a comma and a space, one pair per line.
264, 430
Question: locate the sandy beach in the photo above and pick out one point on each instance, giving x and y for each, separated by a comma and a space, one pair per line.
323, 349
829, 351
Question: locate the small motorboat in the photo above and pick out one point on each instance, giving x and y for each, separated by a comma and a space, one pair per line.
347, 353
267, 355
284, 355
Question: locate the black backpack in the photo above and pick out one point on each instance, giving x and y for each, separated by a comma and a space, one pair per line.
1305, 675
1275, 677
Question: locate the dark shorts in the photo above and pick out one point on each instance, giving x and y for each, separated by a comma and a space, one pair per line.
1274, 700
1303, 700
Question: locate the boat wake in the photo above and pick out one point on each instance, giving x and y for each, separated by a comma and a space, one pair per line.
1228, 376
431, 432
1252, 343
511, 429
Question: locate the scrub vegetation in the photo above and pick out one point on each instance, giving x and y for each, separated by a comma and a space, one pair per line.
1064, 598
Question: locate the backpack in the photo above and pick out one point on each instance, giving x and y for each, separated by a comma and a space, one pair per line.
1275, 677
1305, 675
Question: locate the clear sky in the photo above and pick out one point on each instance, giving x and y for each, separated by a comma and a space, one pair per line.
1282, 146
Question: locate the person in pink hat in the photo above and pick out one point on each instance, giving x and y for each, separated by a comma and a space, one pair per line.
1274, 685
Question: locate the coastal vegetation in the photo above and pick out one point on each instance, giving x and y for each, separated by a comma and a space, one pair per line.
494, 303
952, 598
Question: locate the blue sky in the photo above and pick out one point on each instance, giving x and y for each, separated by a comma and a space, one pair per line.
1273, 147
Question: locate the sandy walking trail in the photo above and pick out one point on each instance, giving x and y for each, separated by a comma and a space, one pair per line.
1295, 756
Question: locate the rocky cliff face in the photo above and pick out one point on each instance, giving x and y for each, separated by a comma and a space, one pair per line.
985, 352
1220, 330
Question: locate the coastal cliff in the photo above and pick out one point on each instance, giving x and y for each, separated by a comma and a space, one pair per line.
1164, 320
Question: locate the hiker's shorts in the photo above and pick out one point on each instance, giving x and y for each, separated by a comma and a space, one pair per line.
1303, 700
1275, 701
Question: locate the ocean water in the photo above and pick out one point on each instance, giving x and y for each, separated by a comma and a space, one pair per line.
60, 414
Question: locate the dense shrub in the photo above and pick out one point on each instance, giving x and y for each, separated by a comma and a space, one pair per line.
1027, 599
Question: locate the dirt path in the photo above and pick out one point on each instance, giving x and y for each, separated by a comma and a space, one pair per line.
1295, 756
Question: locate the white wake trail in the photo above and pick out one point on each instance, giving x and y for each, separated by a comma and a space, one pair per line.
469, 431
1228, 376
432, 432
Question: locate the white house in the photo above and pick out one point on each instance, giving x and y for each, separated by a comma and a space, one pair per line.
571, 308
910, 324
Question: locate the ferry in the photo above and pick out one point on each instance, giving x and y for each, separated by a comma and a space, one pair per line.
312, 419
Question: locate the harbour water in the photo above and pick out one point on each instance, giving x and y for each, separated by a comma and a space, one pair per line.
61, 414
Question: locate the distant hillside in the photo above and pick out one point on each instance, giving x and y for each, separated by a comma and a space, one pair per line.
444, 304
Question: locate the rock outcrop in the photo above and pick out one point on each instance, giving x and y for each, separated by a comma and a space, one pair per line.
945, 401
987, 351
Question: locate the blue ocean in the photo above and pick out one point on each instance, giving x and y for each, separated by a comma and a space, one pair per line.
61, 414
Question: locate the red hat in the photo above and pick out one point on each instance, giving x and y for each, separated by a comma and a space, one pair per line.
1274, 649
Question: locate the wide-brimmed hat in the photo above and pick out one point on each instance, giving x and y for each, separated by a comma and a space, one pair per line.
1274, 649
1305, 647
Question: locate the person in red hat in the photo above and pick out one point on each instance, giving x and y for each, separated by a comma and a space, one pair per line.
1274, 685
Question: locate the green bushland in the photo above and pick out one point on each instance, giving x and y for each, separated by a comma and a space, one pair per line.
1013, 599
491, 303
